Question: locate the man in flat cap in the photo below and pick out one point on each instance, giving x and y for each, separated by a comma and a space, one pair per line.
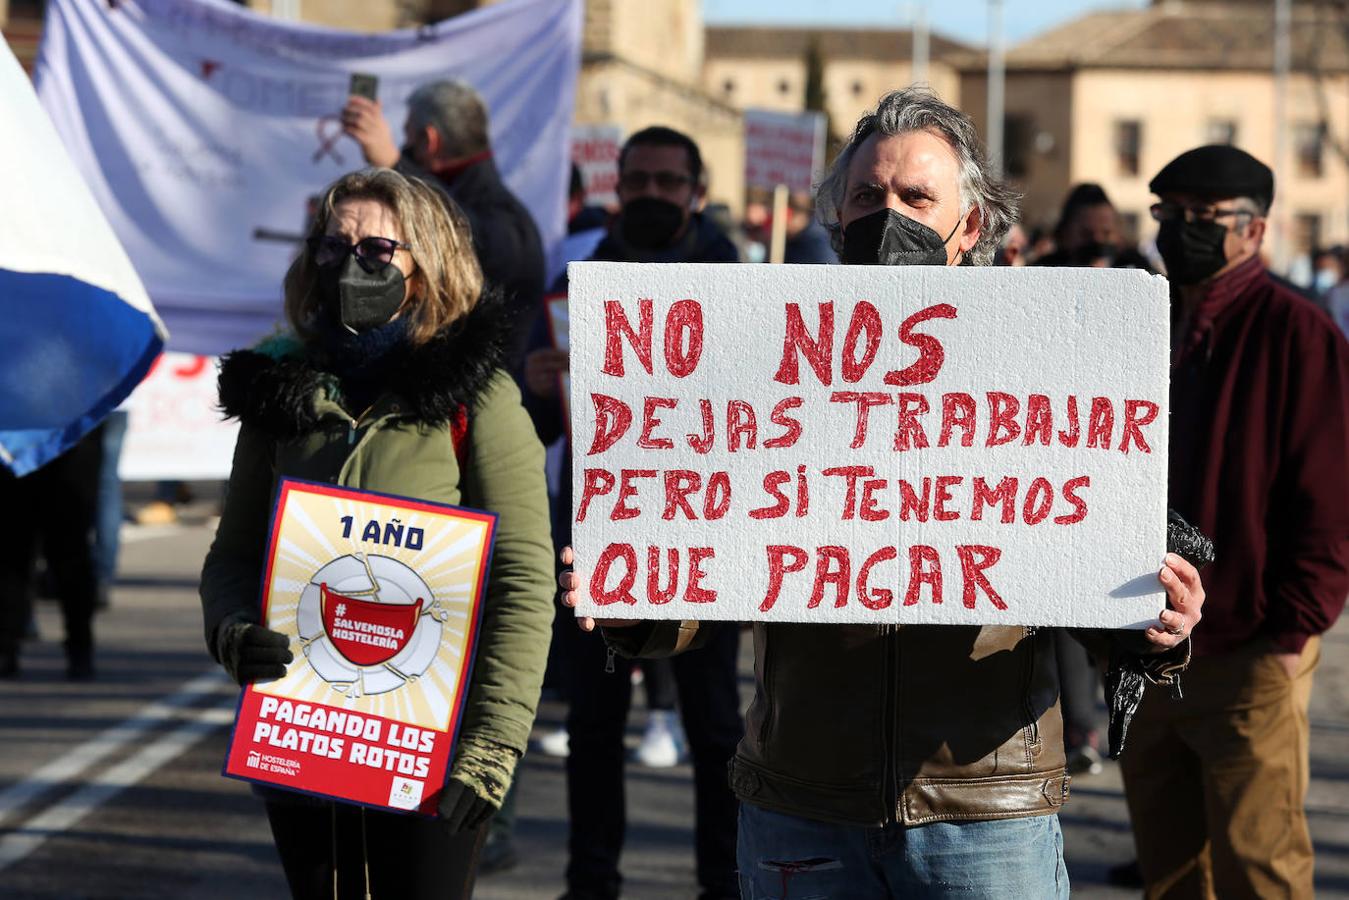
1259, 461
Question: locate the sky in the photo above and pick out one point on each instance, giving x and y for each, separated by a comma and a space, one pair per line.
963, 20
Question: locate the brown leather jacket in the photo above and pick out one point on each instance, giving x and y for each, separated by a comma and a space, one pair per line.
866, 725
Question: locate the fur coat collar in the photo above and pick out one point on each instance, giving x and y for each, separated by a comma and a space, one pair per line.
277, 385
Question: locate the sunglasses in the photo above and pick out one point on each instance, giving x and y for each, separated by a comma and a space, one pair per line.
372, 253
637, 180
1165, 212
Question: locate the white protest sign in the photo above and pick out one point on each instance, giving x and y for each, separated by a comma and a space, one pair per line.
174, 426
783, 148
594, 150
869, 444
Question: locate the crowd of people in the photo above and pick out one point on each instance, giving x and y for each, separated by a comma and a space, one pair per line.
418, 362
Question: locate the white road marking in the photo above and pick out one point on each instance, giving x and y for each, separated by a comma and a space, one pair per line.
29, 836
74, 763
132, 534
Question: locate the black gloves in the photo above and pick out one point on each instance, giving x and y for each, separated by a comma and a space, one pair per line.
1128, 673
250, 652
461, 808
1186, 541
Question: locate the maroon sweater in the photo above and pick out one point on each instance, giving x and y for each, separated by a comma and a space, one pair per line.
1260, 460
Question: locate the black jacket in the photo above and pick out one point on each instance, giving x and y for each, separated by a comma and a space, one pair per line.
810, 246
505, 237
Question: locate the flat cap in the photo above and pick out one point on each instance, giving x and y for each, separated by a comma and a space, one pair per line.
1216, 170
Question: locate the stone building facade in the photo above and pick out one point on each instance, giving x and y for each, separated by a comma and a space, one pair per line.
767, 68
641, 65
1111, 97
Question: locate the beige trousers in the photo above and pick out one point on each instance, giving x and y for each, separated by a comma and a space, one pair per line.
1216, 782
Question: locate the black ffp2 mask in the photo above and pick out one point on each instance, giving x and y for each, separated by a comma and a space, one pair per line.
1192, 251
650, 223
887, 238
359, 300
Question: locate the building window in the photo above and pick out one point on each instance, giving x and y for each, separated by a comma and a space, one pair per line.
1128, 145
1309, 139
784, 87
1221, 131
728, 86
1018, 144
1306, 233
857, 88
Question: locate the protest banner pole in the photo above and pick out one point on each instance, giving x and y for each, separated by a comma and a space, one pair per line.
1282, 56
778, 242
996, 84
918, 72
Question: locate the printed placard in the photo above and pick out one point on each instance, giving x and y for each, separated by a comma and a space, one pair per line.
381, 598
783, 148
869, 444
594, 150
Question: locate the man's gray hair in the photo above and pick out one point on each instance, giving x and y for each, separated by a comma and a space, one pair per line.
1256, 206
456, 111
919, 109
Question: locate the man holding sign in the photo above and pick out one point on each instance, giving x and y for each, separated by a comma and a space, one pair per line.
884, 757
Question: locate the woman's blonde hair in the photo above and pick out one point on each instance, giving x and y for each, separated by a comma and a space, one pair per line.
447, 280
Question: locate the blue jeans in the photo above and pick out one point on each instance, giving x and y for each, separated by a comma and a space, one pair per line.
784, 857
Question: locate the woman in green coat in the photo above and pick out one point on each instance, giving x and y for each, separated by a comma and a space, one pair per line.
391, 382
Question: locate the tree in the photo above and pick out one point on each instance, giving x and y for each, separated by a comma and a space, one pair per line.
817, 97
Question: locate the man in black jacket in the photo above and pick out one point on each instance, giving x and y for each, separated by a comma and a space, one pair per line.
660, 189
447, 144
920, 760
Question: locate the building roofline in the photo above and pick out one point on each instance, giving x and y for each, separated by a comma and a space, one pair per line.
1201, 35
727, 40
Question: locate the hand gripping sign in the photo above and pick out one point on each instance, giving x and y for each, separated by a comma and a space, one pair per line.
868, 444
381, 598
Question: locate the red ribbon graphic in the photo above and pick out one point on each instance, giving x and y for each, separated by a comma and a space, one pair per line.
327, 140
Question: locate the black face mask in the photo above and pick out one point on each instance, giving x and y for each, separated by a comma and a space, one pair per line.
360, 300
650, 223
1192, 251
886, 238
1093, 251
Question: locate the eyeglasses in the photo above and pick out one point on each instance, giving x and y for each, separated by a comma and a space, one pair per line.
1165, 212
372, 253
637, 180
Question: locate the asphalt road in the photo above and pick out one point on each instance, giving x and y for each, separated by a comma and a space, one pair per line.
113, 789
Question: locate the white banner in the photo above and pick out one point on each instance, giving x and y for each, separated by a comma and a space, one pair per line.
783, 148
869, 444
202, 128
174, 427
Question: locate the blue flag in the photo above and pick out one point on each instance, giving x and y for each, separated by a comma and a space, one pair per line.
77, 331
